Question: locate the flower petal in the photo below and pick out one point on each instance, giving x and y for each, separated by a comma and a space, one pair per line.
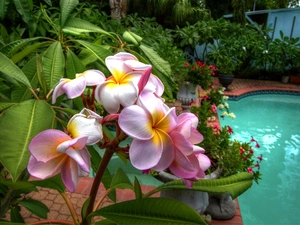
44, 145
76, 156
69, 175
79, 126
58, 90
140, 128
145, 154
43, 170
93, 77
74, 88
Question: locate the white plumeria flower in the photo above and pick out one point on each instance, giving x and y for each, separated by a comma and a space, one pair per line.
244, 48
86, 123
221, 106
265, 52
226, 105
224, 113
231, 115
225, 97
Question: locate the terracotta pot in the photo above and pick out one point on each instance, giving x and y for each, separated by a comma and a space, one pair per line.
225, 80
295, 79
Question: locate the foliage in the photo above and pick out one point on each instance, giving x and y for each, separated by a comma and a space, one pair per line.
31, 69
230, 156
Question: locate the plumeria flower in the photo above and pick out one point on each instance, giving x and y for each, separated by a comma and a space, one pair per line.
123, 87
226, 105
225, 97
149, 124
189, 162
242, 151
73, 88
231, 115
53, 151
221, 106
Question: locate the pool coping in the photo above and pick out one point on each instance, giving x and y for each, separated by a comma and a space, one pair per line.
248, 91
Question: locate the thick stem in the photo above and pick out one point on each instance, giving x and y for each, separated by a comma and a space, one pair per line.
51, 222
93, 193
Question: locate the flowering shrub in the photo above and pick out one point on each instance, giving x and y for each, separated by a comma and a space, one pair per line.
200, 73
61, 151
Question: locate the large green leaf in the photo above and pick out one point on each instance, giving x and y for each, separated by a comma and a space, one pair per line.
159, 63
22, 93
52, 182
53, 64
73, 65
66, 8
76, 25
158, 211
121, 180
3, 8
36, 207
19, 124
10, 69
235, 184
98, 51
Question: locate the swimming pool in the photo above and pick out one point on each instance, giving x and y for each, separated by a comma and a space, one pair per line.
274, 121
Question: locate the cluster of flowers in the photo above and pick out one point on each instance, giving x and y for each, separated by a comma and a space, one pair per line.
201, 73
161, 140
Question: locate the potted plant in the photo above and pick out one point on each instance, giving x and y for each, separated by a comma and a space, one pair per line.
197, 73
227, 54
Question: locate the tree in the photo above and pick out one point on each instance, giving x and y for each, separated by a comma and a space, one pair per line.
118, 8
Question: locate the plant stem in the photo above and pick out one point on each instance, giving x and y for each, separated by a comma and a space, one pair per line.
51, 222
97, 180
71, 208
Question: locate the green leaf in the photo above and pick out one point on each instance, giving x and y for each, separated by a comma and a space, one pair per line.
28, 50
53, 64
5, 105
73, 65
15, 215
158, 211
66, 8
76, 25
52, 182
22, 93
19, 124
159, 63
121, 180
96, 50
137, 189
12, 48
10, 69
235, 184
104, 222
39, 73
16, 185
36, 207
3, 8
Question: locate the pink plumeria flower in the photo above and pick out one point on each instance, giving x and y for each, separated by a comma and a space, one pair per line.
122, 88
190, 161
73, 88
53, 151
149, 124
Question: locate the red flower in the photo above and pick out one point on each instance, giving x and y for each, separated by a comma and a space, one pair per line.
242, 151
257, 145
260, 158
186, 64
229, 130
205, 97
251, 151
249, 170
252, 139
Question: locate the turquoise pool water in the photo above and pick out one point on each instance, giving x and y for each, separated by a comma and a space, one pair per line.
274, 121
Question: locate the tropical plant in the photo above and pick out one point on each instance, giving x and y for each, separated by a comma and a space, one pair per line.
36, 72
